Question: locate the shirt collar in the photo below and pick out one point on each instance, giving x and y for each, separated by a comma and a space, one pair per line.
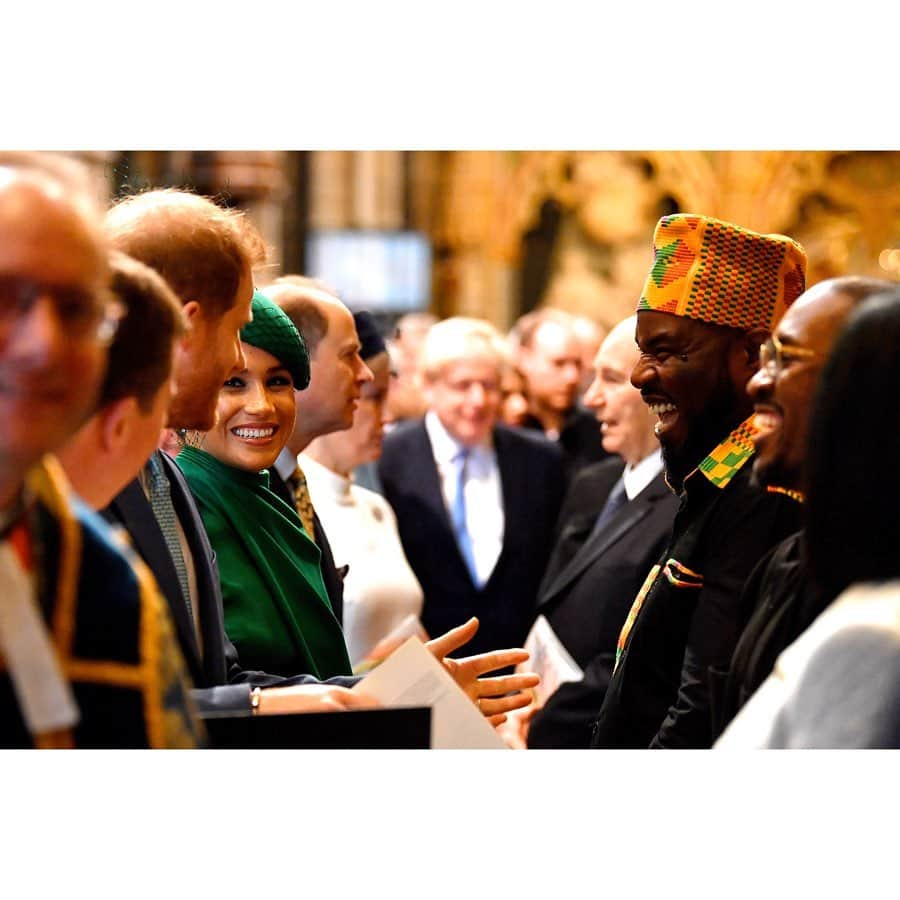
638, 476
285, 464
445, 447
728, 458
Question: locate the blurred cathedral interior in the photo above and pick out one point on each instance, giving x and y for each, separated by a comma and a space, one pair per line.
495, 234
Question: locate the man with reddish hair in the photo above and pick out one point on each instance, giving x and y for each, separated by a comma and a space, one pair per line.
206, 255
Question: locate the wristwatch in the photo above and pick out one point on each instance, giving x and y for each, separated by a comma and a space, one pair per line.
254, 700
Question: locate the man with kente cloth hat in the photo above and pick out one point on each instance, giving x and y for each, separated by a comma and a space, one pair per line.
713, 295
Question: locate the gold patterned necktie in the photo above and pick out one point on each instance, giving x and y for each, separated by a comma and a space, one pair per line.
303, 502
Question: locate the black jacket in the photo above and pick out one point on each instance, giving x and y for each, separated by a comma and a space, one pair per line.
532, 487
589, 587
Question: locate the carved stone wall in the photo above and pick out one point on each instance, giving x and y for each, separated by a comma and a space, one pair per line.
590, 213
844, 207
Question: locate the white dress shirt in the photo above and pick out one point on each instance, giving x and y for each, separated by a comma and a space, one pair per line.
637, 477
285, 464
483, 492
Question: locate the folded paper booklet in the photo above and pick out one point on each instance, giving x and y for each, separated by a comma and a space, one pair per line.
408, 627
549, 658
411, 676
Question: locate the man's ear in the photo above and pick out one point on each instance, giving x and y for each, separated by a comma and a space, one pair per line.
190, 311
193, 316
115, 423
749, 343
743, 356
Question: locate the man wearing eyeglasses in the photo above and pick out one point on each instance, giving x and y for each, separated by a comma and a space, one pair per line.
713, 294
87, 657
778, 600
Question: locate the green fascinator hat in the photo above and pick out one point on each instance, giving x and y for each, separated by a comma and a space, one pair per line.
271, 330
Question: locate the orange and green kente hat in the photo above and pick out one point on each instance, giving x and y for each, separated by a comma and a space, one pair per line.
720, 273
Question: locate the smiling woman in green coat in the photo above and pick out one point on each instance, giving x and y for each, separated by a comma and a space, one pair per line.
277, 611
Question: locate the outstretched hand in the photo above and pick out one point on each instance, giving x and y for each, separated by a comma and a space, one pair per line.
453, 639
486, 693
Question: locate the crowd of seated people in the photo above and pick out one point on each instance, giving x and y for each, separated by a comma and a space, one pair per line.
694, 537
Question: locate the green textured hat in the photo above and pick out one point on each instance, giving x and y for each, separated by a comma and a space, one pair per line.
271, 330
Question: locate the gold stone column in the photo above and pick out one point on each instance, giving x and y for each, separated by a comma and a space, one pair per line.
377, 189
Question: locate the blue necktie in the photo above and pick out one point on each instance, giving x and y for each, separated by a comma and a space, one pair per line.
617, 498
458, 515
164, 511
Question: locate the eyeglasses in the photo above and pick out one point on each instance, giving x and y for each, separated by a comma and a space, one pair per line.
78, 311
774, 357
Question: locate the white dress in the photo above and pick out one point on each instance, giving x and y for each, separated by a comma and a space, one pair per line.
380, 589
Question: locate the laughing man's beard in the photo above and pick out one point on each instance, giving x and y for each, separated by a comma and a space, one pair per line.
722, 415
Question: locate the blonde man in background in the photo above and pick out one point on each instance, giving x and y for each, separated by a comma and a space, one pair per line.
475, 500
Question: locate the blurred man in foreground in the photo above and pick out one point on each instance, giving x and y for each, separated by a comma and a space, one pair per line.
88, 655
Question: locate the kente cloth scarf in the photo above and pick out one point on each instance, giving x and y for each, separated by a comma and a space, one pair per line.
277, 611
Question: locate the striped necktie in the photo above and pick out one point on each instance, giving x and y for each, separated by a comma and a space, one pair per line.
161, 504
303, 502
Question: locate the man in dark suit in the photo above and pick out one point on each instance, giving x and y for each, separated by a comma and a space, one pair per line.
206, 255
476, 502
615, 522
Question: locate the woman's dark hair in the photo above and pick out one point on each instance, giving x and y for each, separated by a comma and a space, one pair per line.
853, 456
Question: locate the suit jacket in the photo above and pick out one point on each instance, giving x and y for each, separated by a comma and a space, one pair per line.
221, 682
590, 584
531, 477
331, 575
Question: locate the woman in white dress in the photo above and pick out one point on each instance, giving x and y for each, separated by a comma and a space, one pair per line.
380, 590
